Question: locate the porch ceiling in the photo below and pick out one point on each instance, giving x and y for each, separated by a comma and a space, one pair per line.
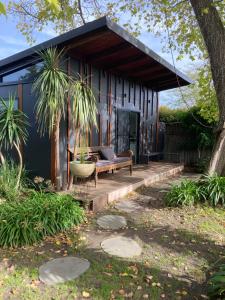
109, 51
105, 44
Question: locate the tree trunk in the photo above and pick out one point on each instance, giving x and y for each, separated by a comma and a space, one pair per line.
20, 165
77, 133
213, 33
57, 155
76, 142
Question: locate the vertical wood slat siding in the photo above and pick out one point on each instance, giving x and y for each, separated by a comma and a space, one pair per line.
152, 103
92, 127
110, 109
20, 107
140, 88
147, 97
157, 121
100, 130
110, 91
123, 93
99, 85
68, 123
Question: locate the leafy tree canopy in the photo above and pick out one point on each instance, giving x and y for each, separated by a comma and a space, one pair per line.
173, 20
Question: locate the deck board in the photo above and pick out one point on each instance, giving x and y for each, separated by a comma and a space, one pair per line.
112, 187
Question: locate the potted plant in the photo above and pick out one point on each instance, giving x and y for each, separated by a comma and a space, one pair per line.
81, 167
84, 112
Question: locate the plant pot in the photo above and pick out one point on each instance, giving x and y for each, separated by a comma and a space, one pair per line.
82, 170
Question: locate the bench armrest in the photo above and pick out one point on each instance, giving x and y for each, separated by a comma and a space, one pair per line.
94, 158
128, 153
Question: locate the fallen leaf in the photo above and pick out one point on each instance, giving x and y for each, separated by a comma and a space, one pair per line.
129, 295
121, 292
139, 287
124, 274
108, 274
85, 294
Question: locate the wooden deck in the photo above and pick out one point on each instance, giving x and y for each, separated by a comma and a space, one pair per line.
111, 187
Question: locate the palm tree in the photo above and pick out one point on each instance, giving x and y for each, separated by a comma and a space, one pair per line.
51, 88
13, 132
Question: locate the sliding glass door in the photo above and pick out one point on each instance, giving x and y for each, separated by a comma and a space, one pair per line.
128, 132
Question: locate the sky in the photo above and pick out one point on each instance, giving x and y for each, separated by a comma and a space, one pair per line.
12, 41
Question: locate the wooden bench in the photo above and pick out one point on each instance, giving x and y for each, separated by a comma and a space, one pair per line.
121, 160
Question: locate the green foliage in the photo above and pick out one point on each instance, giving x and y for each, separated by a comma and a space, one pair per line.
8, 179
214, 188
29, 221
84, 109
192, 123
13, 124
2, 9
216, 284
209, 189
186, 193
51, 87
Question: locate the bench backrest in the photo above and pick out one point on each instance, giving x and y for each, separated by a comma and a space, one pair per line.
91, 151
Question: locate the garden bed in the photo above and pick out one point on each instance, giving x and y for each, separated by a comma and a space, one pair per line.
180, 248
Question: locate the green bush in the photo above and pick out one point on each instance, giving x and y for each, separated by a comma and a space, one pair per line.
210, 189
8, 179
186, 193
29, 221
214, 189
216, 284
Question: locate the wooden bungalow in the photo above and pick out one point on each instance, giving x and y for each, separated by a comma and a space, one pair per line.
126, 77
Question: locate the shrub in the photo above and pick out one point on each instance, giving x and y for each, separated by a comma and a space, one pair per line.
186, 193
8, 180
216, 284
29, 221
214, 189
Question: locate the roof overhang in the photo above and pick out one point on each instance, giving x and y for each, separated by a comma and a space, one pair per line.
106, 45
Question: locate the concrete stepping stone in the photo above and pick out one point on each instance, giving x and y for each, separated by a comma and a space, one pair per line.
113, 222
128, 206
121, 246
62, 269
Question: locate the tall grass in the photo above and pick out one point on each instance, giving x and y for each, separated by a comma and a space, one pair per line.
8, 181
29, 221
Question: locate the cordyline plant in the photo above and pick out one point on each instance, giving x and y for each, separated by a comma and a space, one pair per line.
83, 109
53, 87
13, 130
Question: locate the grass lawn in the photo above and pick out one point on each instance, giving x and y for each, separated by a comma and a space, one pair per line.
181, 247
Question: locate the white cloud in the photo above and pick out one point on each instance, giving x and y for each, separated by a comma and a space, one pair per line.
10, 40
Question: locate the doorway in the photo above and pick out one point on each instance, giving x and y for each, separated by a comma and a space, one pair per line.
128, 132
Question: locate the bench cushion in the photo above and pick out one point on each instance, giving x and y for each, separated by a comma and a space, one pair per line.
108, 153
120, 159
103, 162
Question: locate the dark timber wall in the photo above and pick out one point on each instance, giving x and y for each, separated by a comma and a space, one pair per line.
112, 93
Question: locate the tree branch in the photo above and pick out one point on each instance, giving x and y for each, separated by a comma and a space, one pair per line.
81, 12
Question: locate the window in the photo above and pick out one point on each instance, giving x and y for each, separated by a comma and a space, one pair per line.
25, 74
